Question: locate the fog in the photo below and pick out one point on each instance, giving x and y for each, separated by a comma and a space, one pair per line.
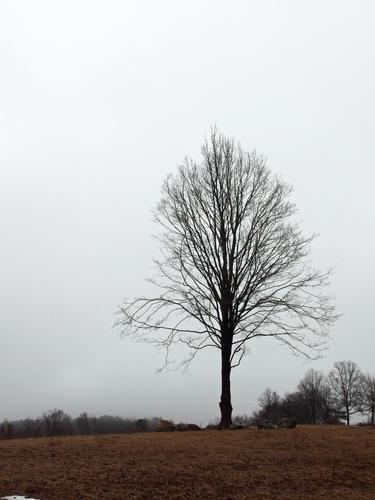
99, 101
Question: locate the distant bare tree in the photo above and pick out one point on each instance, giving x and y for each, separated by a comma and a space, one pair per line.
57, 423
270, 405
83, 424
345, 381
368, 386
311, 390
234, 264
6, 429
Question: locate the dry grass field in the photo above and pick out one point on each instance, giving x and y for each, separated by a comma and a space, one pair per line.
303, 463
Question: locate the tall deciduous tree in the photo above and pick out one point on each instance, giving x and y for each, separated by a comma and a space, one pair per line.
234, 264
345, 380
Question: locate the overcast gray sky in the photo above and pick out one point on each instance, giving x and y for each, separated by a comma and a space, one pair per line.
99, 101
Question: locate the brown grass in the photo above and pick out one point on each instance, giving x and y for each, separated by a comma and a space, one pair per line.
303, 463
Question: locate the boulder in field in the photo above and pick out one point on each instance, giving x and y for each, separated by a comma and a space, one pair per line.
187, 427
166, 426
286, 423
236, 427
265, 424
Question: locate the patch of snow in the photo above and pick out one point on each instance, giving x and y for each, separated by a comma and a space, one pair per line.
17, 498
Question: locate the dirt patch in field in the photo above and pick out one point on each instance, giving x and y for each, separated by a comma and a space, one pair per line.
303, 463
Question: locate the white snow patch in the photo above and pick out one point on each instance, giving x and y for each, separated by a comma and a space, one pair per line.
17, 498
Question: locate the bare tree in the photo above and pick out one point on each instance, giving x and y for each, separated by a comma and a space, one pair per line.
368, 387
311, 389
83, 423
234, 264
269, 399
56, 422
270, 405
345, 381
6, 429
293, 406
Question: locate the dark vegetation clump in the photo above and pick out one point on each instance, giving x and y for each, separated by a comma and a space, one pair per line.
320, 399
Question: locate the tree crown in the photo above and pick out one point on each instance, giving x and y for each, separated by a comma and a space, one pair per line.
234, 262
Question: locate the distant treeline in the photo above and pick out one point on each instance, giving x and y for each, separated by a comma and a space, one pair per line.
344, 392
58, 423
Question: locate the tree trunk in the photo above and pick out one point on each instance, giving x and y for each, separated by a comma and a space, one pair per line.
225, 401
347, 416
372, 414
